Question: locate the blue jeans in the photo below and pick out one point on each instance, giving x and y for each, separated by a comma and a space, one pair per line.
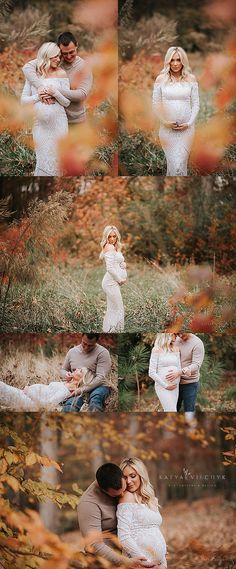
188, 396
96, 400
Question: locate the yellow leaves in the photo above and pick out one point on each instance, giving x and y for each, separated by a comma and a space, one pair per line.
3, 466
12, 482
11, 457
31, 458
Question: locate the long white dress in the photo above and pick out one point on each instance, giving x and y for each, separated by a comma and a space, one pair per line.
160, 364
115, 273
176, 101
51, 124
37, 397
138, 529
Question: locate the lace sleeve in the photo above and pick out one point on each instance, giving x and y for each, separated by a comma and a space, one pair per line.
157, 99
61, 99
27, 97
153, 368
124, 530
110, 265
194, 103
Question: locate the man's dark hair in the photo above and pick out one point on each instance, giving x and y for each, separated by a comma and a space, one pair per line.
66, 38
91, 335
109, 475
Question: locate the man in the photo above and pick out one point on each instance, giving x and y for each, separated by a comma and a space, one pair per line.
97, 513
78, 73
97, 359
191, 357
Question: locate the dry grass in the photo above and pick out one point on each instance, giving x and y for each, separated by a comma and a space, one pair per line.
21, 367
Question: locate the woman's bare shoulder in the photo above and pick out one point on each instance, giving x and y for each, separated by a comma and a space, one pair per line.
61, 73
176, 349
127, 498
157, 350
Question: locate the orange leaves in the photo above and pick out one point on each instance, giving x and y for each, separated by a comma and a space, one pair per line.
76, 149
33, 458
210, 143
137, 111
13, 115
97, 14
104, 65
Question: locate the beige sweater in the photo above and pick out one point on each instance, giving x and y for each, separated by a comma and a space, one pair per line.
97, 513
191, 356
76, 112
97, 361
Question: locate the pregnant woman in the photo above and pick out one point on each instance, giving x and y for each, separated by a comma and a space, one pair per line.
165, 357
176, 104
51, 122
41, 397
138, 516
115, 276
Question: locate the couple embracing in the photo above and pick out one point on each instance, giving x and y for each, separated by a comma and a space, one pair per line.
174, 366
122, 501
57, 84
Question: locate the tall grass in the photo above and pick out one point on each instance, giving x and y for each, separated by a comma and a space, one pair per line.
72, 299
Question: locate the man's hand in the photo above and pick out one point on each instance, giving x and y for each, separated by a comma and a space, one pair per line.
68, 376
172, 375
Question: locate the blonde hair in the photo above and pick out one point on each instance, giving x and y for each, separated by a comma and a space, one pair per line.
107, 230
45, 52
186, 73
146, 489
163, 341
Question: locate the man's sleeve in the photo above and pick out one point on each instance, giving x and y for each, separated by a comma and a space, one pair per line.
66, 366
30, 74
85, 81
197, 357
89, 515
103, 368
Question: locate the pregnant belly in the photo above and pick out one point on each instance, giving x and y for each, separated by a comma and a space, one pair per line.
177, 111
153, 544
48, 113
165, 370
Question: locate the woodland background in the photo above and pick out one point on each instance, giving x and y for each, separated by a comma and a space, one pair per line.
47, 461
178, 242
217, 389
206, 32
25, 25
38, 358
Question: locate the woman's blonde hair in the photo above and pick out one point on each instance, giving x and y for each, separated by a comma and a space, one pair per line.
107, 230
45, 52
146, 489
186, 73
163, 341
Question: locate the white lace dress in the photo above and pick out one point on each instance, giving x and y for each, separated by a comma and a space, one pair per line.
51, 124
38, 397
160, 364
138, 529
115, 273
176, 101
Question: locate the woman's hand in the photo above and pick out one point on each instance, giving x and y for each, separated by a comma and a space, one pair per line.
123, 265
121, 283
171, 387
177, 126
50, 90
